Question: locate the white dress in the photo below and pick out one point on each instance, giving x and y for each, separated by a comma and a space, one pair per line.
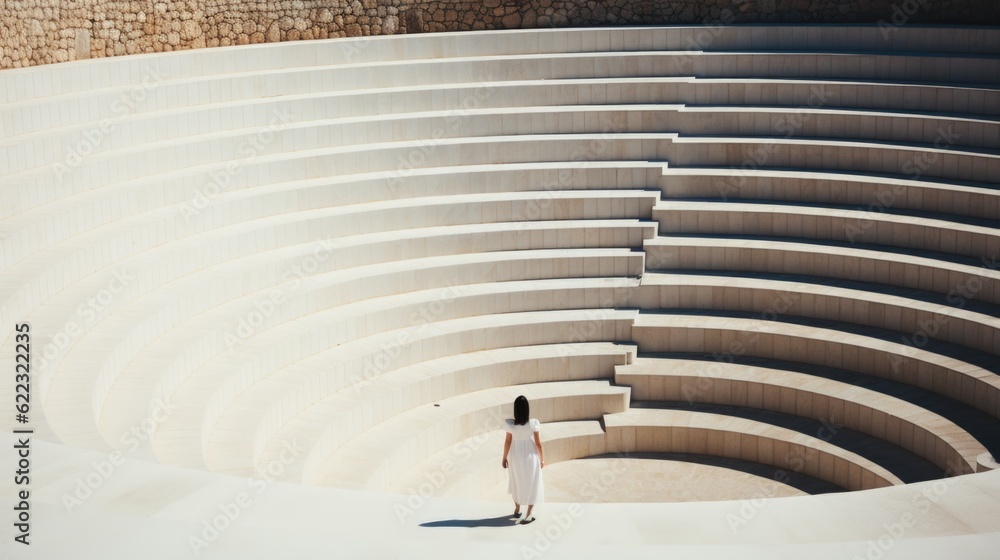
524, 469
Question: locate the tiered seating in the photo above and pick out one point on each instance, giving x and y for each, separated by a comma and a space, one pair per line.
919, 232
333, 420
841, 405
728, 436
308, 382
939, 368
367, 253
374, 459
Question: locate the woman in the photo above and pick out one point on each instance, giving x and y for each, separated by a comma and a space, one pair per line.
524, 477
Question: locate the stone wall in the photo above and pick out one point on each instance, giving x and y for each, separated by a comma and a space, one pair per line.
45, 31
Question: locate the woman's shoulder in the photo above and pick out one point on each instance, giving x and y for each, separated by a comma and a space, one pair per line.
534, 423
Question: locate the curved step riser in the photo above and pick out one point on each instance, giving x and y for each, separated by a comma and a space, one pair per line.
953, 455
210, 290
147, 123
433, 383
305, 133
287, 395
958, 283
913, 162
398, 159
828, 188
904, 364
923, 234
293, 79
450, 294
123, 71
783, 454
65, 218
358, 363
948, 324
166, 263
332, 470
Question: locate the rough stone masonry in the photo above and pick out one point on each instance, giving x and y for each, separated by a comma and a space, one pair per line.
45, 31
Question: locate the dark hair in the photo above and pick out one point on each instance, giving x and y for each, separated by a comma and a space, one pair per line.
521, 410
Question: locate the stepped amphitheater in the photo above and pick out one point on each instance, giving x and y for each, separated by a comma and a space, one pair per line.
281, 296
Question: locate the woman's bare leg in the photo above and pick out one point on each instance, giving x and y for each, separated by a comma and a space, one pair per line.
527, 514
517, 508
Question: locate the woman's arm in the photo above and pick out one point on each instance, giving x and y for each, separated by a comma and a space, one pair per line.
538, 444
506, 448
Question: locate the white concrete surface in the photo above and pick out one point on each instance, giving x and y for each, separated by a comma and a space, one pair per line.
331, 264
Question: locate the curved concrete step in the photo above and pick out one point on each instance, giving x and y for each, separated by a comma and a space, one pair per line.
230, 350
662, 430
217, 172
922, 97
335, 418
904, 464
318, 370
162, 264
939, 156
281, 134
291, 78
942, 159
316, 131
959, 279
271, 396
820, 119
353, 219
123, 71
905, 311
933, 232
919, 365
882, 416
875, 193
377, 457
176, 209
469, 469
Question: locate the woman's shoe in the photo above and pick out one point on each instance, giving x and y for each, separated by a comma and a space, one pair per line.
526, 520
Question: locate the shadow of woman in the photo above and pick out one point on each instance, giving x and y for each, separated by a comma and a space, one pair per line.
505, 521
